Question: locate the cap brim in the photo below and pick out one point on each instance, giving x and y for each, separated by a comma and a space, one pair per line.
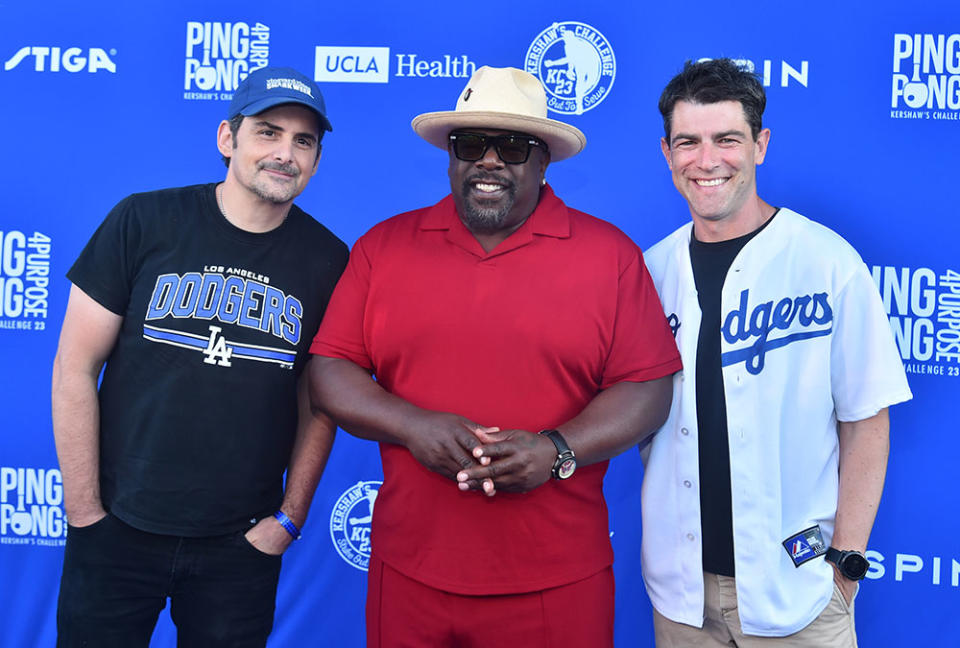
564, 140
258, 107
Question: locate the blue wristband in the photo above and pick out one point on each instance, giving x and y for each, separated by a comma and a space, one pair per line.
287, 524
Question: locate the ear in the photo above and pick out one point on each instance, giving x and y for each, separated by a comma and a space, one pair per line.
544, 163
763, 139
225, 139
665, 148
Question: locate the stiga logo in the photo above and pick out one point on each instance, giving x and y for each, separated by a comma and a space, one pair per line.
926, 77
62, 59
220, 55
576, 65
31, 507
924, 311
350, 523
24, 280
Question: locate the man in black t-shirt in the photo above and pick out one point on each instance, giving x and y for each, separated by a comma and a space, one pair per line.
201, 302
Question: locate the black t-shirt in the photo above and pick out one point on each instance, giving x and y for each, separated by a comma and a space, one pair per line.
710, 262
198, 403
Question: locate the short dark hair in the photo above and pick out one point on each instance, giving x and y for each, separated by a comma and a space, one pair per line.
712, 81
235, 128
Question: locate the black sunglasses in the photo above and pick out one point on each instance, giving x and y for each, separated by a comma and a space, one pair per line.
512, 149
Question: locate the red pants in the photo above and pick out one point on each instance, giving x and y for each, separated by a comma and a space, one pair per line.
404, 613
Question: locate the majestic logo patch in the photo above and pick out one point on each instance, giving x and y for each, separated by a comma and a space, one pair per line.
350, 523
576, 65
805, 546
811, 312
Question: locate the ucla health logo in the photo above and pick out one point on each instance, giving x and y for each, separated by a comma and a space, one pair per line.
338, 64
811, 312
576, 65
220, 55
350, 523
926, 77
31, 507
24, 280
62, 59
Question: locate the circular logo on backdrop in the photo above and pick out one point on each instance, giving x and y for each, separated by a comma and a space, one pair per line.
576, 65
350, 523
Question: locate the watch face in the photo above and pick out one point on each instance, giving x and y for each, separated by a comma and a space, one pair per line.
566, 468
855, 566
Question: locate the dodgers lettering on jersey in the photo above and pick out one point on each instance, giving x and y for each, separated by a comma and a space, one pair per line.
230, 299
810, 312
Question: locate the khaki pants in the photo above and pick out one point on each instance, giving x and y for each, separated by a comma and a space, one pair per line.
721, 626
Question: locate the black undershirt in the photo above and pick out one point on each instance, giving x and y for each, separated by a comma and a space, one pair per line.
710, 262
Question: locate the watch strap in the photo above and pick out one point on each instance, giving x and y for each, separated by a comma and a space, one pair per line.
564, 455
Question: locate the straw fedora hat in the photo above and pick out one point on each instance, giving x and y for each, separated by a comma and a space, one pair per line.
503, 99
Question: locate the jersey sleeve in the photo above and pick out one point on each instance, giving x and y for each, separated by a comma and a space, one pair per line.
866, 370
643, 347
341, 333
104, 270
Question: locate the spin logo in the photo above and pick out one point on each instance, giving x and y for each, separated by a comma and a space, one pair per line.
220, 55
350, 523
924, 311
926, 77
914, 569
576, 64
62, 59
773, 72
31, 506
24, 280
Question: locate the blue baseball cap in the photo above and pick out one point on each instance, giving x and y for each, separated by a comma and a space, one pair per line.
272, 86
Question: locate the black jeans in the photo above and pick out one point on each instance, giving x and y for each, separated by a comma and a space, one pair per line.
116, 580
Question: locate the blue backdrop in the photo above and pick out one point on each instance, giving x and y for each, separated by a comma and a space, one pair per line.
102, 99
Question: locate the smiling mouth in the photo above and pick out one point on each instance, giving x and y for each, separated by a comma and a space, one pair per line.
280, 171
712, 182
490, 187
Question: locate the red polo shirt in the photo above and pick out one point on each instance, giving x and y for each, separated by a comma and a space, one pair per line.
522, 337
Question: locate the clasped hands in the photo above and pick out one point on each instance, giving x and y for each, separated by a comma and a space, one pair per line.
482, 458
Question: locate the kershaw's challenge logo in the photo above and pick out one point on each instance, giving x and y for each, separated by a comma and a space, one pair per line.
230, 296
350, 523
576, 65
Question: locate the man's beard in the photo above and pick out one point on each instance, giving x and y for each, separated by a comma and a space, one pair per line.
265, 191
486, 220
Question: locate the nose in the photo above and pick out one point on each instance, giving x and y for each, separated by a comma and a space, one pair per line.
707, 157
283, 151
490, 159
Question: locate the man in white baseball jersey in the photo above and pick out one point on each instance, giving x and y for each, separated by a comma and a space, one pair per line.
760, 491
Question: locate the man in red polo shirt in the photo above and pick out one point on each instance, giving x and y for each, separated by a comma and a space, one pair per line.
517, 345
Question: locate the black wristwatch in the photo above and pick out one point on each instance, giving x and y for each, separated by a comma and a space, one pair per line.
566, 461
853, 565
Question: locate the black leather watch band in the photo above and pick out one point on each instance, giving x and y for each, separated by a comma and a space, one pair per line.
853, 565
566, 462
